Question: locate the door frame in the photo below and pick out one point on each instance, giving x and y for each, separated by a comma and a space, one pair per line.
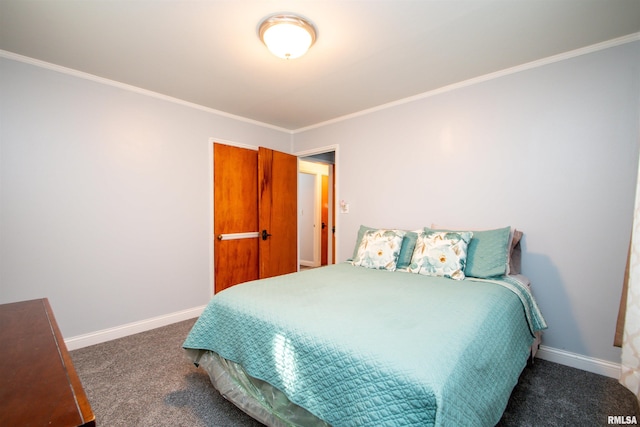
334, 219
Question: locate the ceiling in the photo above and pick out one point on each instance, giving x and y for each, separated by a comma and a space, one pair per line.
368, 53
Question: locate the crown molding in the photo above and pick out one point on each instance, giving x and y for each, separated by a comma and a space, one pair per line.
97, 79
491, 76
523, 67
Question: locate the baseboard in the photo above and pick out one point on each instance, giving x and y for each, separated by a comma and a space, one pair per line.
309, 263
104, 335
590, 364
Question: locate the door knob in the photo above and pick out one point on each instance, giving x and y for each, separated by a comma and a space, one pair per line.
265, 235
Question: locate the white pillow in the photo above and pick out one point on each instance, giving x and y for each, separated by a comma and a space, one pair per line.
441, 253
379, 249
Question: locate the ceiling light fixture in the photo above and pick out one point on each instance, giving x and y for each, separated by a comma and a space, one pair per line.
287, 36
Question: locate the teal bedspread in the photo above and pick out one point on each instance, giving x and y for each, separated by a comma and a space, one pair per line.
359, 347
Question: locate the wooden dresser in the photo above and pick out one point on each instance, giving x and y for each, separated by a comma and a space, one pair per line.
38, 384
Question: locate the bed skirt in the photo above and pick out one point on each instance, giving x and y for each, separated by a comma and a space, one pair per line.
258, 399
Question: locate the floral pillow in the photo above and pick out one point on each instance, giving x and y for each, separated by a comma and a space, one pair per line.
379, 249
441, 253
489, 253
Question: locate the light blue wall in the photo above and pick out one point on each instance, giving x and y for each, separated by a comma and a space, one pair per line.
551, 150
105, 197
105, 193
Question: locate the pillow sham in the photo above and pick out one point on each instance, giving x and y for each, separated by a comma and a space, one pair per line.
406, 250
379, 249
408, 246
363, 229
441, 253
488, 254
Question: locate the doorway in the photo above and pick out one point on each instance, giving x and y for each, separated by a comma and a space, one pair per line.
313, 213
317, 229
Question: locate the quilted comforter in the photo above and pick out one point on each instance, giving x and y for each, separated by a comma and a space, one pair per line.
357, 347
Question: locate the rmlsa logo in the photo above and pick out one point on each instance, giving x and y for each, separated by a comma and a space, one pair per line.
622, 419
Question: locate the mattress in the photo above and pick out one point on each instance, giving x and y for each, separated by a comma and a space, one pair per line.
355, 346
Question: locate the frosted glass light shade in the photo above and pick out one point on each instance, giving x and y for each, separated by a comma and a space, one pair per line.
287, 36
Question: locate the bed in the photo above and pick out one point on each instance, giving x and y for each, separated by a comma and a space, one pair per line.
372, 341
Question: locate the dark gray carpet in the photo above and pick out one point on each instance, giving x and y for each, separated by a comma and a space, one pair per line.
146, 380
549, 394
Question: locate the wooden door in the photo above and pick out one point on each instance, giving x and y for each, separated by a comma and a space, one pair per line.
235, 198
240, 254
278, 212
